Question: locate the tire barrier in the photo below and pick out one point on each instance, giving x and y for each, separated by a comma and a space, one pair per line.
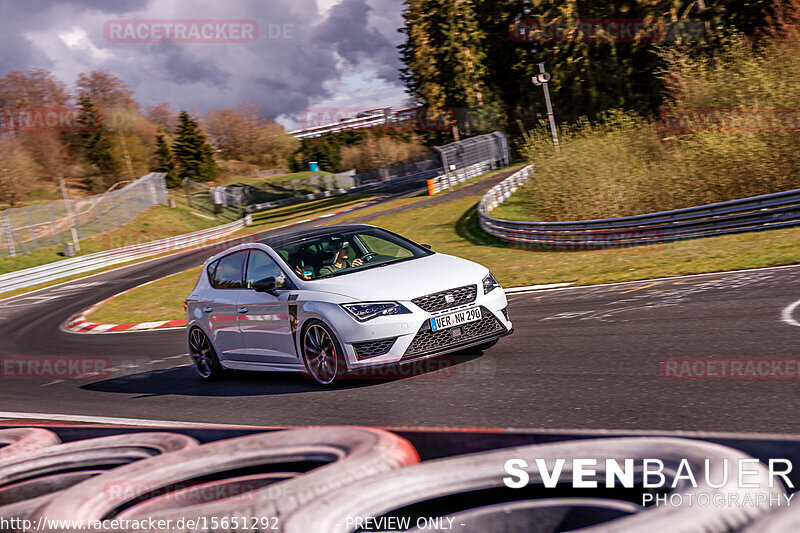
17, 442
458, 477
33, 478
769, 211
328, 459
319, 479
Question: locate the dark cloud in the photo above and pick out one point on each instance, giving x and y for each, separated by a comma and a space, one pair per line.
300, 53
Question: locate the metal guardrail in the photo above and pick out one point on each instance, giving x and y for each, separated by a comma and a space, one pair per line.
361, 189
79, 265
447, 181
757, 213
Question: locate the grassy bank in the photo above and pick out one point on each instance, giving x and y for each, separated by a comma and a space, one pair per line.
453, 228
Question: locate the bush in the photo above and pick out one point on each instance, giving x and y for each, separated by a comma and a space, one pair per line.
624, 164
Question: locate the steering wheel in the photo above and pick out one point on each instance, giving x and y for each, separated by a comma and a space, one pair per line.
369, 256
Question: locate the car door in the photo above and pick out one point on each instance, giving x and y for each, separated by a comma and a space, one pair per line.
227, 280
267, 321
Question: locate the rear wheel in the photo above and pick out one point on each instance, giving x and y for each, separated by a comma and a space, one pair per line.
322, 354
204, 356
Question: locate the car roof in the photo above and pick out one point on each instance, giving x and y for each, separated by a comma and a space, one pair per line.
283, 239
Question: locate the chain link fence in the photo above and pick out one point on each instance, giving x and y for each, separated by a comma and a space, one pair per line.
27, 229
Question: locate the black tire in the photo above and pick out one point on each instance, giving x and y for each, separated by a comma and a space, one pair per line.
204, 356
322, 354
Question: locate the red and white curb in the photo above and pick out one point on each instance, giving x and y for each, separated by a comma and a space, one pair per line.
79, 324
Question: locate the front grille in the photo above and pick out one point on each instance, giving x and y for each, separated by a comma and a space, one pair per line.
439, 300
367, 350
427, 341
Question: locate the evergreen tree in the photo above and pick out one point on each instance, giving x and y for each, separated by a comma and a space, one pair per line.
445, 60
193, 155
95, 143
164, 162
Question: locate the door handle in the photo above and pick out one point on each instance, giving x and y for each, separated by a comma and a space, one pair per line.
243, 309
208, 309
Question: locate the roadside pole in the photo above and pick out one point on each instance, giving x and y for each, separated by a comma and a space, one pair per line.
71, 216
541, 79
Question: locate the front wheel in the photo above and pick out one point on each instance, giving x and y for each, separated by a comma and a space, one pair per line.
204, 356
322, 354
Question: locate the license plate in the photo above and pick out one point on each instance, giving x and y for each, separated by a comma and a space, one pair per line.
456, 319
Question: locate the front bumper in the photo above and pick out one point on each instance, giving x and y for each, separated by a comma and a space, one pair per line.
405, 338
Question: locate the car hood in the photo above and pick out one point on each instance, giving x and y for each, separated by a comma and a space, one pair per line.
405, 280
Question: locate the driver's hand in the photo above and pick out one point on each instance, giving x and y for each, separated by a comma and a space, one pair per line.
358, 262
300, 272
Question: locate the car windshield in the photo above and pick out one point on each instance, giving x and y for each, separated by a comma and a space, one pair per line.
345, 252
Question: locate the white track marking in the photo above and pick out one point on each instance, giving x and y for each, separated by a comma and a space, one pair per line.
574, 287
514, 290
786, 314
11, 416
112, 420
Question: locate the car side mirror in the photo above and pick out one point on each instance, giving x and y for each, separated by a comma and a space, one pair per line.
266, 285
428, 246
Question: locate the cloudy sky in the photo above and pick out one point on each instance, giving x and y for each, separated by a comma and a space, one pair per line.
317, 54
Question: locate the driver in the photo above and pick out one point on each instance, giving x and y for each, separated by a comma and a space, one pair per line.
340, 262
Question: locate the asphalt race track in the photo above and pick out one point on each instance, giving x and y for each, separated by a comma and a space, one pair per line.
582, 358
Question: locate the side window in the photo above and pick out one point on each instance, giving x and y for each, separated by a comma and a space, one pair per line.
259, 266
228, 271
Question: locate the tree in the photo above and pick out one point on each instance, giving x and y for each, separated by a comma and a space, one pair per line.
164, 162
32, 88
106, 91
193, 155
17, 170
247, 135
96, 144
445, 59
162, 116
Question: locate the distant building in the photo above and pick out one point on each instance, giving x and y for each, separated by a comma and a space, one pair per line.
324, 121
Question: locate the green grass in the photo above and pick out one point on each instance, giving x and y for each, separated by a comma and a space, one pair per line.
453, 228
162, 299
155, 223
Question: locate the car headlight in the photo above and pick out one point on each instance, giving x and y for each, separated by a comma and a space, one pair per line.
489, 283
368, 311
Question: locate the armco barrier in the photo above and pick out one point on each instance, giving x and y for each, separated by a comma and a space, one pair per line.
361, 189
446, 181
86, 263
769, 211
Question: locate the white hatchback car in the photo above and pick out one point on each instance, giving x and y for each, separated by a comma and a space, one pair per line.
337, 299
